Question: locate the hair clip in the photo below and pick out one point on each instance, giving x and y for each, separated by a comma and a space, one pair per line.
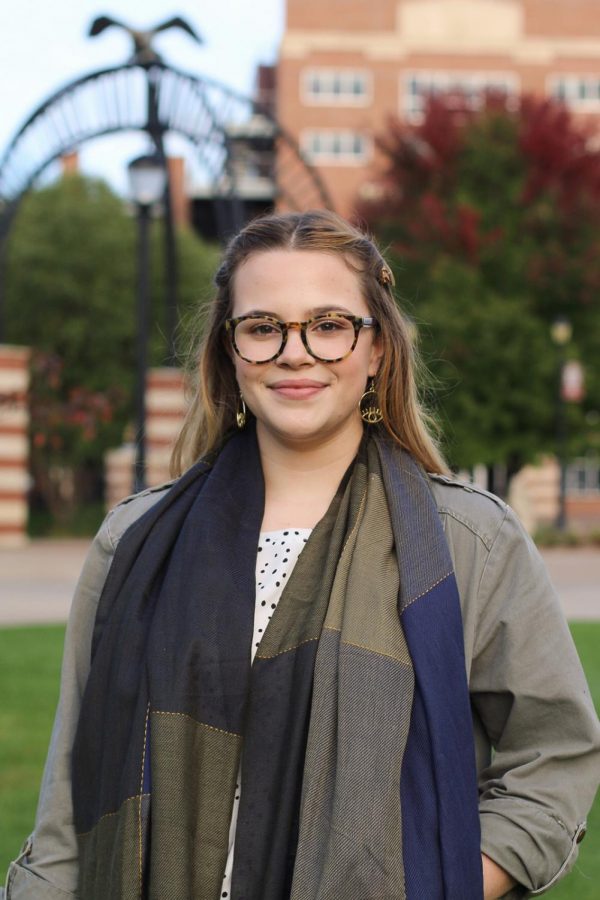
385, 276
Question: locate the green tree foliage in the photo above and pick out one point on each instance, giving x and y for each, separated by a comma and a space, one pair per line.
71, 297
492, 218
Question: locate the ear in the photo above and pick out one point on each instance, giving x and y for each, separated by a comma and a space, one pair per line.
376, 356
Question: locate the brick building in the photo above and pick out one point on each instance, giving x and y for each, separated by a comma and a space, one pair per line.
346, 65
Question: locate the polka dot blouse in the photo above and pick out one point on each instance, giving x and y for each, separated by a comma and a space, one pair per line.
278, 552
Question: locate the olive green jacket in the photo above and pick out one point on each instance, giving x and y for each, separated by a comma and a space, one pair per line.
530, 701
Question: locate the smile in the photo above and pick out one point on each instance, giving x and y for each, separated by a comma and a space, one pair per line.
300, 389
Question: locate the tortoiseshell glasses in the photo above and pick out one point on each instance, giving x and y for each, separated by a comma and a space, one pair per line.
329, 338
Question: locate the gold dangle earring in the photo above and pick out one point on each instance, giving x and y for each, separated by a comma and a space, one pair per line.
370, 411
240, 415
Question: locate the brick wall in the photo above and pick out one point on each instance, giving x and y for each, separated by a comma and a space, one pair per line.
531, 40
14, 444
165, 410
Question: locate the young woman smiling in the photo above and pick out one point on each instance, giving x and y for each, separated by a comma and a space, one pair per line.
313, 666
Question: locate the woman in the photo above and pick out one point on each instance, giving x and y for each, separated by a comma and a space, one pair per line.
400, 626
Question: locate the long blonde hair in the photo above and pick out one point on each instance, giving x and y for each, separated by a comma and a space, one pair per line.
212, 413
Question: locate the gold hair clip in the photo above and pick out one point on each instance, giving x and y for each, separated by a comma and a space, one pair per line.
385, 276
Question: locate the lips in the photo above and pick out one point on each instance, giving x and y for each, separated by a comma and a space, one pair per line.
297, 389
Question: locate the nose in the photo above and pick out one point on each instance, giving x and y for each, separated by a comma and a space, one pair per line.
294, 353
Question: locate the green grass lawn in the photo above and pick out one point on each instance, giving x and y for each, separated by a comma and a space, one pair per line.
29, 672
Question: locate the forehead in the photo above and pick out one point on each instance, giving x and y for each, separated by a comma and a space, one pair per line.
282, 281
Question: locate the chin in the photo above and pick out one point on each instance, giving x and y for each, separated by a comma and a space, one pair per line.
308, 433
299, 435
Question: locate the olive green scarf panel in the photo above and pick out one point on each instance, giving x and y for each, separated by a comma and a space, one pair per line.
350, 843
155, 855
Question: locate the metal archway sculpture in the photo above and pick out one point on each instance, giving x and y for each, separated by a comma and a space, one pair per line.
233, 136
113, 100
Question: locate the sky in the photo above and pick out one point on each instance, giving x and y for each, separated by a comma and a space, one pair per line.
44, 45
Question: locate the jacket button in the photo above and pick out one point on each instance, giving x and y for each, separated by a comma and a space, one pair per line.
581, 836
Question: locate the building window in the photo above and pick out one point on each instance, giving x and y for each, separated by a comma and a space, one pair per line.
325, 146
336, 87
583, 476
469, 87
582, 92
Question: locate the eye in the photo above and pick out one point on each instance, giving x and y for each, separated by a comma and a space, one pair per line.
330, 325
262, 328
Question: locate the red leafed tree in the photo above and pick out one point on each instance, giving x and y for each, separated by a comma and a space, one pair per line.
492, 217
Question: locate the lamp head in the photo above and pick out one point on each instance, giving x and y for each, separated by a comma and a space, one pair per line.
147, 179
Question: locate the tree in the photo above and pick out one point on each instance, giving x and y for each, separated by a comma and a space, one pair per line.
492, 217
70, 296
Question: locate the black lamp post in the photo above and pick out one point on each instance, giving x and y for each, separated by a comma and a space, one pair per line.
561, 332
147, 186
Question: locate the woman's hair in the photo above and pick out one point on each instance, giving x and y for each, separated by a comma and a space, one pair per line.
212, 413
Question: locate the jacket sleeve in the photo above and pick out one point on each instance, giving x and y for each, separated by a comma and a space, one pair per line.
529, 691
47, 866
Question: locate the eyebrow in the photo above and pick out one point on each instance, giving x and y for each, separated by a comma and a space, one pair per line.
315, 311
319, 310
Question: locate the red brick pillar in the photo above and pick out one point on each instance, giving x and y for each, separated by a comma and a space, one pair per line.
165, 409
14, 444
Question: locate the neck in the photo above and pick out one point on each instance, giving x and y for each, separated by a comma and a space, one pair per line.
301, 481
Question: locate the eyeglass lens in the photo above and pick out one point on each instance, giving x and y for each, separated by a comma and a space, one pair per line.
329, 338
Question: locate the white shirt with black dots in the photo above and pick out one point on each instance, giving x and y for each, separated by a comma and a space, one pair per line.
278, 552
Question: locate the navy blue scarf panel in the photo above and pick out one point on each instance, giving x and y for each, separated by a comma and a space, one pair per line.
156, 607
200, 645
439, 780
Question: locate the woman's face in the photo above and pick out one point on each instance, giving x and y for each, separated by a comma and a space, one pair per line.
298, 400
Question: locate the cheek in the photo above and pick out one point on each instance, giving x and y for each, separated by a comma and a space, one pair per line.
240, 367
355, 376
246, 374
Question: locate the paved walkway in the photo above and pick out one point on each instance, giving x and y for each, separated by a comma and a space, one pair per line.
37, 581
576, 577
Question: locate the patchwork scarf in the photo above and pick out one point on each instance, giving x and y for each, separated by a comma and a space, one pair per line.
352, 725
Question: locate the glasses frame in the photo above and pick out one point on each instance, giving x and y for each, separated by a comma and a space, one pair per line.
357, 321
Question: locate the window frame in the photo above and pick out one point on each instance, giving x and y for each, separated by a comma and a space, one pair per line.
325, 141
471, 83
567, 87
589, 484
333, 79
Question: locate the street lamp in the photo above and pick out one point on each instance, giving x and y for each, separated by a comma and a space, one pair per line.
561, 331
147, 187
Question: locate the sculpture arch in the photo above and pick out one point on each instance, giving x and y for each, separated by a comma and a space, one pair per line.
205, 112
234, 139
